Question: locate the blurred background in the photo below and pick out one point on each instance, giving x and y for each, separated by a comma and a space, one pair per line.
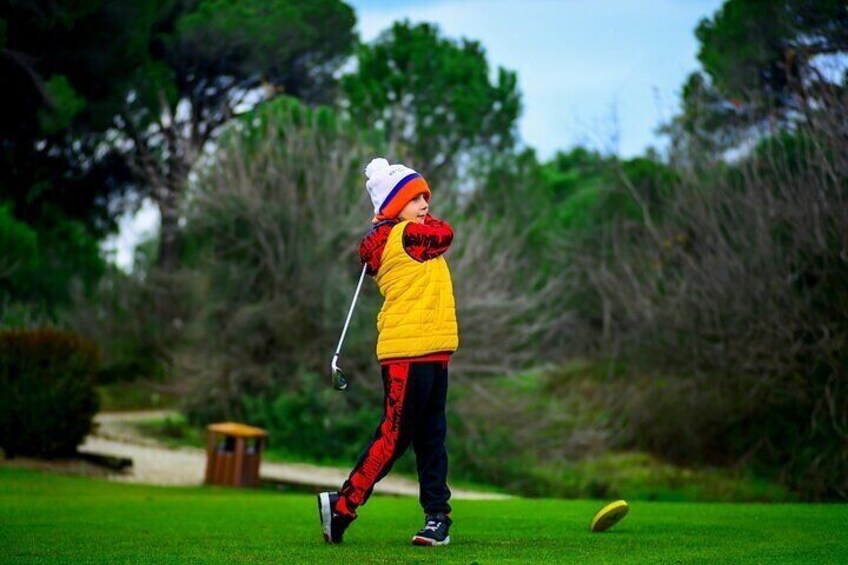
650, 201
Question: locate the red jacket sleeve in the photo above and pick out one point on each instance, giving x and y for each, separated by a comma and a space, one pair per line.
428, 240
420, 241
372, 246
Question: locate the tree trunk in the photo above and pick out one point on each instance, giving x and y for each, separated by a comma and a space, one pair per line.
169, 231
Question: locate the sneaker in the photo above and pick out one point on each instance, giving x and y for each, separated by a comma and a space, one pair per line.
434, 532
333, 523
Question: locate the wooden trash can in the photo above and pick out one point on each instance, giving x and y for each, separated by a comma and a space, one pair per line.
233, 454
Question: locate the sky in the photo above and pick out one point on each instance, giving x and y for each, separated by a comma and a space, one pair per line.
597, 73
602, 73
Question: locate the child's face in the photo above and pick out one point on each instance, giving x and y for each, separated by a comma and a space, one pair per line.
415, 210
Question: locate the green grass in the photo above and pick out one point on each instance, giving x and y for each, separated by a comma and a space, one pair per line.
173, 431
61, 519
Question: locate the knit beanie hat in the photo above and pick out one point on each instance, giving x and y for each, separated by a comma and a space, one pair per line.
392, 187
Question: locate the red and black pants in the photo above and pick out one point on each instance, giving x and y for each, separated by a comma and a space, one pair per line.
414, 401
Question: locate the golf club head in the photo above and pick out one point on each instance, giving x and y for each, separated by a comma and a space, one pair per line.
340, 381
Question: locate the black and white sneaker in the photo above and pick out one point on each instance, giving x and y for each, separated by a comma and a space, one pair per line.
333, 523
435, 531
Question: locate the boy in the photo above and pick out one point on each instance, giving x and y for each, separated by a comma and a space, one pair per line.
417, 333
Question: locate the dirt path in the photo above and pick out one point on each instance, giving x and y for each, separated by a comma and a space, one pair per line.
154, 463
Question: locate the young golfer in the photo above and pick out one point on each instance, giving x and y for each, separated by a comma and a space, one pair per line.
417, 333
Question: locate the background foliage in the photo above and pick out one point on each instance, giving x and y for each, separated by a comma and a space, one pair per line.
666, 326
47, 398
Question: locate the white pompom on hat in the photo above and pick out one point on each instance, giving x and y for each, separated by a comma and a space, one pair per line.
392, 187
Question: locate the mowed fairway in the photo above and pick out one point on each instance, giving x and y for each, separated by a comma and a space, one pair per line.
59, 519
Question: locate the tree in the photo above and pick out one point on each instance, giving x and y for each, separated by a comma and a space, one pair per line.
768, 52
210, 60
433, 98
764, 68
162, 76
66, 68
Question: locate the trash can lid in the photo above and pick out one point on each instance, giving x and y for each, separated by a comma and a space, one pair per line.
236, 429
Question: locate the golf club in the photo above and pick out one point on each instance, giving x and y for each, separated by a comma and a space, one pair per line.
340, 381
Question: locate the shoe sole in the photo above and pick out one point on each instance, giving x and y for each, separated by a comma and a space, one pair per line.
325, 513
418, 540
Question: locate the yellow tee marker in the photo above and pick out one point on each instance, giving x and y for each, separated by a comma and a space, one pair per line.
609, 516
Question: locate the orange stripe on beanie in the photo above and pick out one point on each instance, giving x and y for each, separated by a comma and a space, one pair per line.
406, 193
392, 187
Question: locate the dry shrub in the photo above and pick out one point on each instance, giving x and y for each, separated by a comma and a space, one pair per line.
738, 286
507, 311
276, 222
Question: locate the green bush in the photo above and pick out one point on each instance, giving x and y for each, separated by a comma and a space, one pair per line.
47, 396
20, 244
41, 266
124, 317
642, 476
314, 422
568, 431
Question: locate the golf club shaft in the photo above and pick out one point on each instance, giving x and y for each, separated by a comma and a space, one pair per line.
350, 312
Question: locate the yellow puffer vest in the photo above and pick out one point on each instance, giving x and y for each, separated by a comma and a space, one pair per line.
419, 313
